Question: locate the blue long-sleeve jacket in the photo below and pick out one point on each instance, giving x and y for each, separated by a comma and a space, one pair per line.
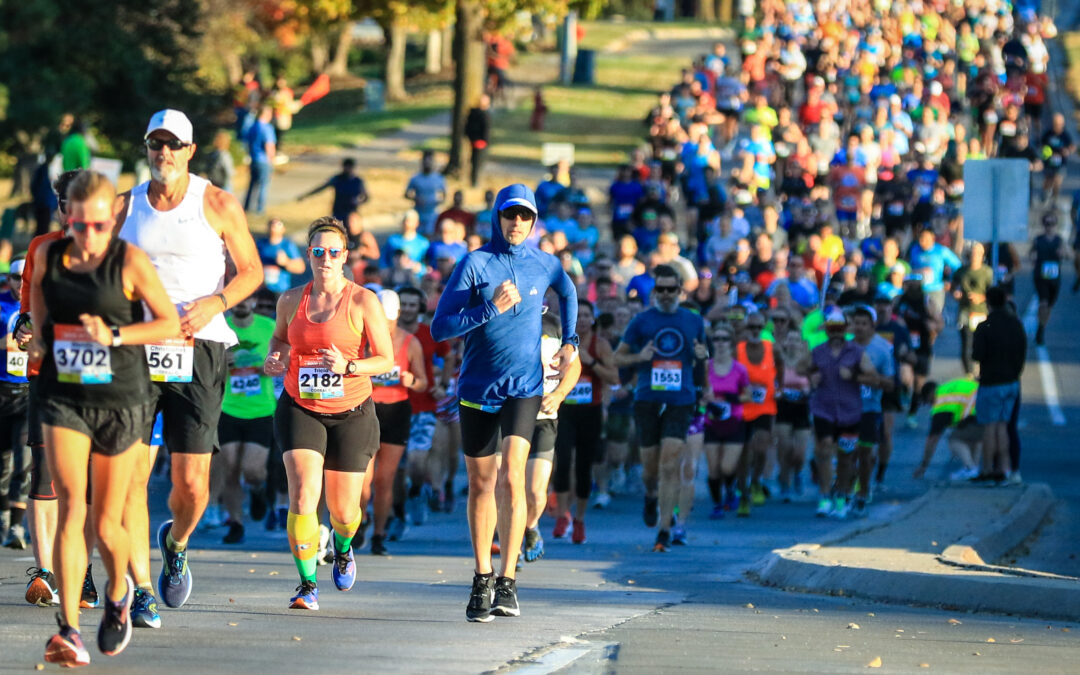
502, 351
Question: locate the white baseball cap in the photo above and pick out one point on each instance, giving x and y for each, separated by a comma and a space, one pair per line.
173, 121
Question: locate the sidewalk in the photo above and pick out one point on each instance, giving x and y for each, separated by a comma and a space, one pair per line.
936, 552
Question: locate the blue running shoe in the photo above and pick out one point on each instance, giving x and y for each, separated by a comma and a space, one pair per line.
678, 535
144, 612
534, 545
174, 582
344, 571
307, 596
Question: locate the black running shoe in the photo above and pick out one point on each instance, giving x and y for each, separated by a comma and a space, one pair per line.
481, 597
89, 599
235, 535
506, 602
114, 632
652, 511
663, 542
258, 505
378, 545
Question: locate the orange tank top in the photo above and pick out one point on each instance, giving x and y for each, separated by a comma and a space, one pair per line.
308, 382
387, 388
762, 383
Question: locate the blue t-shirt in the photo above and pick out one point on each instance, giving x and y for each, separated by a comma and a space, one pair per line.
641, 286
9, 312
881, 356
624, 197
416, 248
669, 376
277, 279
438, 249
257, 137
936, 260
427, 188
922, 183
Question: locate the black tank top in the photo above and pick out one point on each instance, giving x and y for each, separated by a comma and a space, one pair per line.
1048, 257
76, 373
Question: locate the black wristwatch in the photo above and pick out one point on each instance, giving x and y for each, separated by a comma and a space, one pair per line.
351, 368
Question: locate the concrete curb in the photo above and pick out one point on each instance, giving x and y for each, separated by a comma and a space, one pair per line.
1045, 596
1005, 533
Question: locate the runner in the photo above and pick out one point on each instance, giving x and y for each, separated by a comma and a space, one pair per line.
1047, 251
186, 226
325, 419
88, 297
896, 334
14, 390
880, 353
727, 389
922, 322
611, 478
493, 300
390, 391
246, 428
792, 416
663, 343
542, 449
579, 444
765, 367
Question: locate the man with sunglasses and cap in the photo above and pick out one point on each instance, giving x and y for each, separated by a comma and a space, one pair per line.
493, 300
186, 226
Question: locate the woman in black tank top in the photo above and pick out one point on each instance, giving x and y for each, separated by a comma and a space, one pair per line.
86, 298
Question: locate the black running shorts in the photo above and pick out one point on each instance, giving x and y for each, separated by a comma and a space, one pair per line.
347, 441
480, 429
394, 421
191, 410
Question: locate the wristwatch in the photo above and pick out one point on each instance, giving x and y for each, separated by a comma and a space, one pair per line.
351, 368
116, 339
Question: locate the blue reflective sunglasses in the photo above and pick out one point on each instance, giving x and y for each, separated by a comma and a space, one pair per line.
320, 251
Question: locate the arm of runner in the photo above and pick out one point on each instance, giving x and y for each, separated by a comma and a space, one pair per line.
277, 354
141, 282
417, 379
604, 364
38, 314
551, 402
451, 318
568, 307
226, 216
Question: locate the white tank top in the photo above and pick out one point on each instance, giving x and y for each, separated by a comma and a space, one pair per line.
186, 251
549, 347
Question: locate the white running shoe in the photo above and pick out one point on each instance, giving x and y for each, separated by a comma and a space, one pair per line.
963, 474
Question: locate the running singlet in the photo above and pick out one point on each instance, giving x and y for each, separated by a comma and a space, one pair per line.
424, 401
311, 385
1048, 258
725, 413
588, 389
762, 382
249, 394
187, 253
76, 369
795, 388
387, 387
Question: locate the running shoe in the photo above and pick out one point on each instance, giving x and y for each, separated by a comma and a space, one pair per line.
114, 631
744, 507
717, 512
66, 648
396, 528
326, 553
89, 599
144, 612
562, 524
257, 502
617, 481
824, 507
307, 596
212, 518
533, 549
663, 542
435, 500
757, 494
41, 590
841, 508
552, 504
378, 545
480, 598
651, 514
578, 537
601, 500
174, 582
505, 602
235, 535
731, 502
964, 474
1014, 478
678, 535
344, 571
859, 510
16, 537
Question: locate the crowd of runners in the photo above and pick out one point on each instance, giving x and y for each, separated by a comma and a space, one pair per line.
780, 260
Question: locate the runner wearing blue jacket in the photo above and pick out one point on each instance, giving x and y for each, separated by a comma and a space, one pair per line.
493, 300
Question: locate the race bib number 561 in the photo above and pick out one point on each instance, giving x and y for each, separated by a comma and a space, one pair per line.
79, 359
170, 360
316, 381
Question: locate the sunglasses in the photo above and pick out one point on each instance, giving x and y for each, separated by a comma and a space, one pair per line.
780, 319
515, 212
320, 251
156, 144
755, 326
81, 226
16, 277
666, 289
721, 338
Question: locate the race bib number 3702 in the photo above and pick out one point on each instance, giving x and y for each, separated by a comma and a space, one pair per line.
79, 359
317, 382
171, 360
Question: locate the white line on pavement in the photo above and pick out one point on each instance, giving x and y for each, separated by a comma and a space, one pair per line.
1046, 368
560, 658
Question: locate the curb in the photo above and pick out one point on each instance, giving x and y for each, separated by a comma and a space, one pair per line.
792, 569
1005, 533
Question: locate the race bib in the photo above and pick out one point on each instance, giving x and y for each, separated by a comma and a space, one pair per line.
895, 209
624, 211
79, 359
720, 411
793, 395
244, 382
757, 394
388, 379
974, 320
1050, 270
866, 392
16, 363
666, 375
171, 360
318, 382
582, 393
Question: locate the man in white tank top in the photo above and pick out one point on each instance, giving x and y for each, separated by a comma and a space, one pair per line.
187, 227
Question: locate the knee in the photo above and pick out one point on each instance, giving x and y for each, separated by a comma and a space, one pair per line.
108, 529
482, 484
306, 501
192, 487
669, 467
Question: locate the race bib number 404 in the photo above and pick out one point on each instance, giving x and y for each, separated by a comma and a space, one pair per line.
582, 393
171, 360
79, 359
316, 381
666, 375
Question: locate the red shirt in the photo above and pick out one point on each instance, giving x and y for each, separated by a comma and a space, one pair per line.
423, 401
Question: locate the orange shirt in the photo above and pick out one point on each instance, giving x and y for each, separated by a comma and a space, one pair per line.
762, 382
28, 275
387, 387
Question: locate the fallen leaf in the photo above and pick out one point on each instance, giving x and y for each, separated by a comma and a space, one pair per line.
1016, 641
924, 665
274, 574
870, 614
955, 622
630, 581
39, 666
232, 623
991, 640
1064, 630
783, 637
749, 605
933, 543
297, 638
438, 571
231, 600
815, 611
251, 571
853, 626
976, 654
876, 663
254, 555
899, 630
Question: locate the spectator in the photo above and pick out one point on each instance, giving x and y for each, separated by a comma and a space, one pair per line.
281, 258
1000, 347
350, 193
219, 164
478, 131
426, 190
75, 149
409, 240
262, 146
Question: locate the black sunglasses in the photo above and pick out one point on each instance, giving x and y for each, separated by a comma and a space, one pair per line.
754, 326
666, 289
156, 144
81, 226
515, 212
721, 338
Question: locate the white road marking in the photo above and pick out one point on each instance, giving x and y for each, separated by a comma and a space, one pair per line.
558, 659
1046, 368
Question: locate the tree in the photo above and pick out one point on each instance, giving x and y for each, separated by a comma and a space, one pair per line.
139, 57
397, 18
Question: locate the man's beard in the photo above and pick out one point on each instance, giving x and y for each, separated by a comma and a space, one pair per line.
165, 177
